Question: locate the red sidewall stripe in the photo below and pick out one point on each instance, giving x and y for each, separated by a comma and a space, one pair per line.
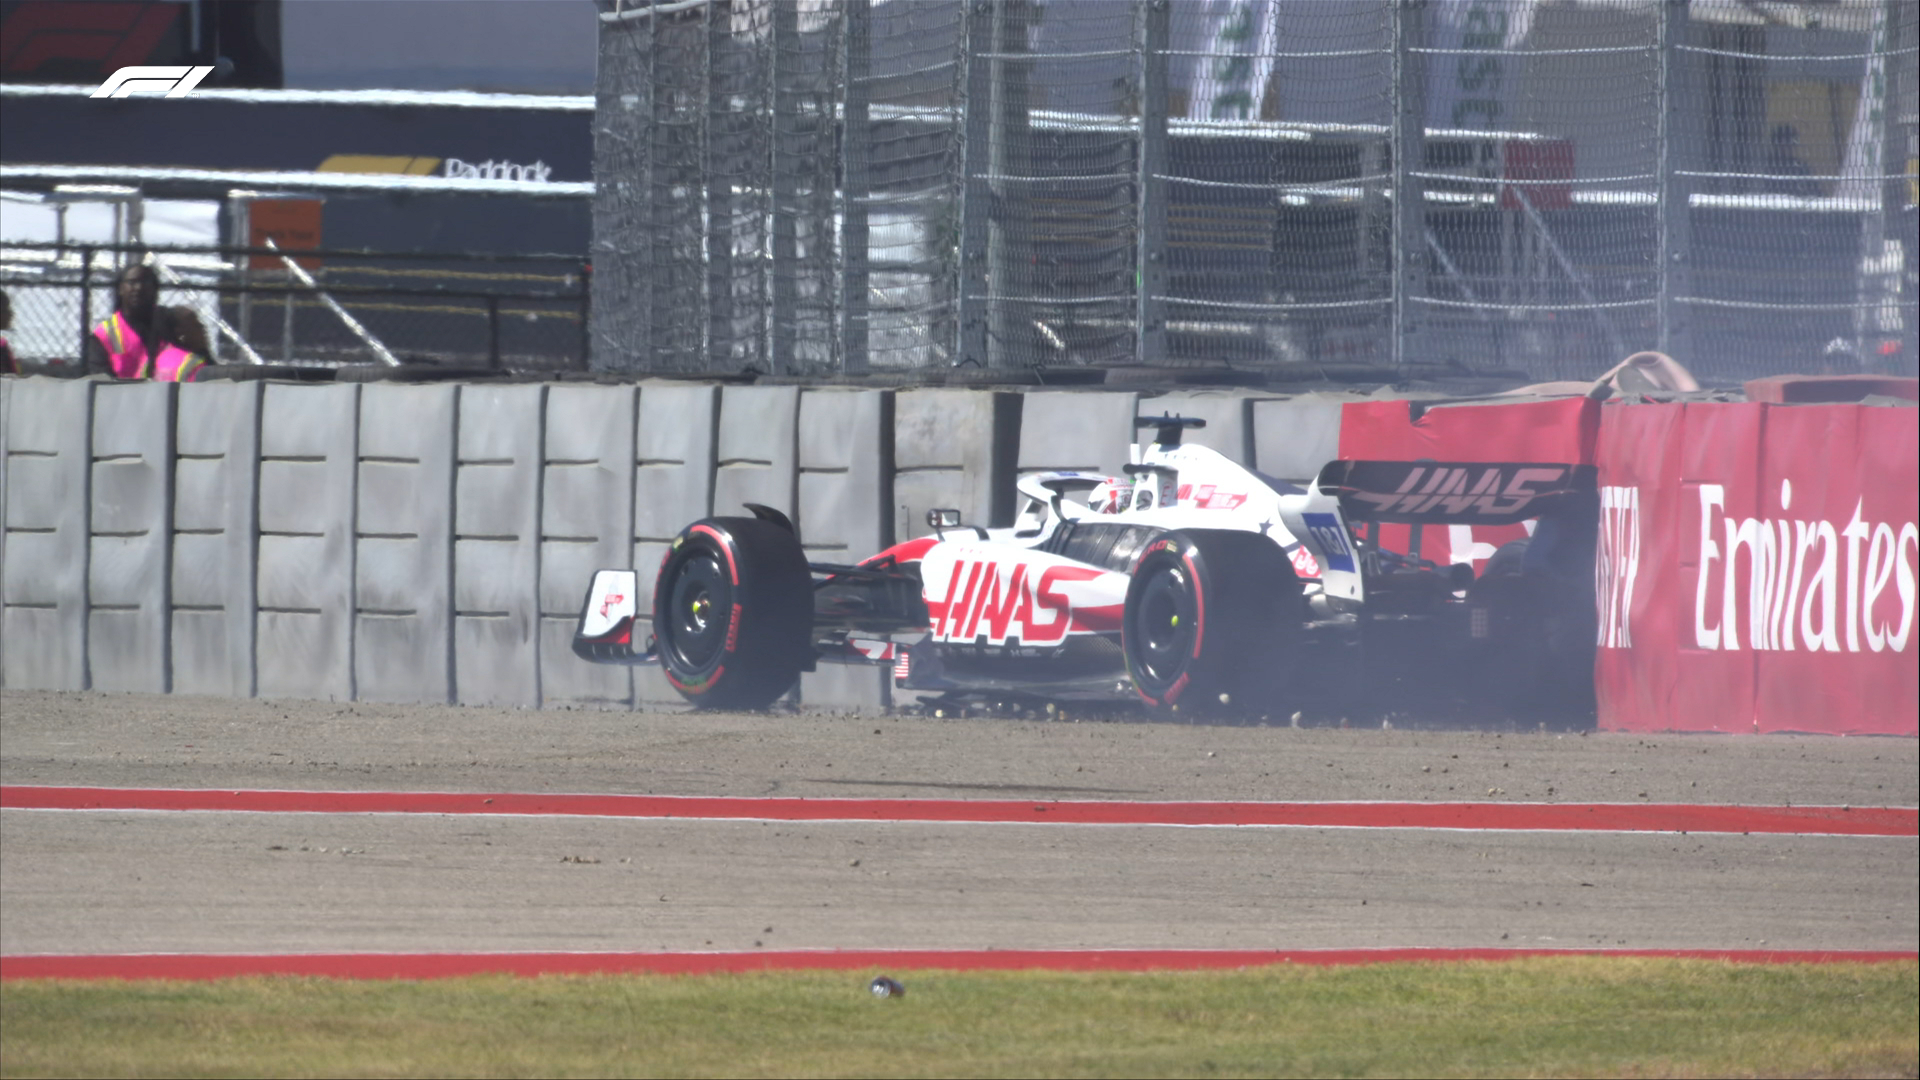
726, 548
452, 965
1199, 609
1578, 817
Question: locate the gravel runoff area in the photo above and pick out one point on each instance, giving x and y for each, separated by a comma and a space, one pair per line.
102, 882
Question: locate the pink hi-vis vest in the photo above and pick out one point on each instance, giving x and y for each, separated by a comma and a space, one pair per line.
175, 364
126, 353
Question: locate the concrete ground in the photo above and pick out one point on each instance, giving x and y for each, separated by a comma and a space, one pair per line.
111, 881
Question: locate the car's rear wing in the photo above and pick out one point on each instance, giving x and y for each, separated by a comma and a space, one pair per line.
1451, 492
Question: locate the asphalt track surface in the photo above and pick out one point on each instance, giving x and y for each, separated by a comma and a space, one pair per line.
451, 878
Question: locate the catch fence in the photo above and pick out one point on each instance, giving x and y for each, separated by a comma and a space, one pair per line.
1254, 187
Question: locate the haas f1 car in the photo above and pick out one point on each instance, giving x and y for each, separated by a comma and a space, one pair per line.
1190, 583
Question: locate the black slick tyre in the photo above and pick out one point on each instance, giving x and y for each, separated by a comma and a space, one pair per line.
1509, 558
1534, 630
733, 613
1212, 622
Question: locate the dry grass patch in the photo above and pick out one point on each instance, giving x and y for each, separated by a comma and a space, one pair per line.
1540, 1017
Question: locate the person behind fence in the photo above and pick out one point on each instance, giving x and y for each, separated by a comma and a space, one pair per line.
183, 345
124, 343
141, 339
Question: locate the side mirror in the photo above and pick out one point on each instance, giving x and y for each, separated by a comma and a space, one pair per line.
943, 518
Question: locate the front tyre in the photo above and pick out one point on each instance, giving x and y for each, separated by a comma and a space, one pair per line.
732, 613
1213, 619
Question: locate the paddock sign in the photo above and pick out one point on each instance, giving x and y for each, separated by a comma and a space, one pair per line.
292, 225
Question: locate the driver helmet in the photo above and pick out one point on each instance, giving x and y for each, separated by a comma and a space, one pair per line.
1111, 496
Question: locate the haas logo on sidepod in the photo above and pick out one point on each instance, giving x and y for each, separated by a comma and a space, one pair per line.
1004, 601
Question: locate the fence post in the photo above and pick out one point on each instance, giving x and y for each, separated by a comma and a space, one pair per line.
1409, 195
586, 314
86, 304
286, 323
1672, 209
976, 195
619, 281
1150, 265
240, 218
644, 275
493, 331
856, 162
1880, 133
1010, 233
786, 187
716, 140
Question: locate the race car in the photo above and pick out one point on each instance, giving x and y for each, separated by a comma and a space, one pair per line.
1190, 582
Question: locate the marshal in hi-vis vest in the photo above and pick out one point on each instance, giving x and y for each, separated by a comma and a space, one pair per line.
128, 356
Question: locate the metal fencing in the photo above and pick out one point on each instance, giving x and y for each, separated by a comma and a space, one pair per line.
1257, 188
524, 313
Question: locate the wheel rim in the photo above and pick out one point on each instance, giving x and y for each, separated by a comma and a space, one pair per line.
1163, 626
697, 615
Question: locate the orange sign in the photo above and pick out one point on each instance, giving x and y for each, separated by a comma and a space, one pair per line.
292, 224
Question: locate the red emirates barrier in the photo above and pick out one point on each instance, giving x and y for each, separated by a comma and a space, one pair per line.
1757, 569
1562, 430
1757, 563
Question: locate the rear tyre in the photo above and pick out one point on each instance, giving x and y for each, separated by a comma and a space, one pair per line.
1535, 632
733, 613
1508, 558
1213, 622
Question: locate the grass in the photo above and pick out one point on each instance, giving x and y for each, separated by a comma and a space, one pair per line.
1579, 1016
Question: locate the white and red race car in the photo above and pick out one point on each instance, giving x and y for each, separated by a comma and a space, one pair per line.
1191, 582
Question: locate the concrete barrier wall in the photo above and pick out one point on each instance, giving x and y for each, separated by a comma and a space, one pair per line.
49, 448
496, 546
6, 425
586, 522
308, 474
399, 542
675, 443
1076, 429
129, 568
403, 554
1293, 437
758, 450
215, 500
954, 449
845, 514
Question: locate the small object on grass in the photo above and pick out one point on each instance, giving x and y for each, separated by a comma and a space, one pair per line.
884, 987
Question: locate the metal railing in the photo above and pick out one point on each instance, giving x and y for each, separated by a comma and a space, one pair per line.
502, 312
